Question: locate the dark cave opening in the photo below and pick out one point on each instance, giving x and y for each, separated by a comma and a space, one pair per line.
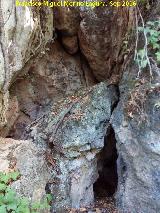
106, 184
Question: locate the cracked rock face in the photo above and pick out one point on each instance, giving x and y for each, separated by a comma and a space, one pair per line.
138, 145
75, 129
101, 33
23, 34
52, 77
37, 98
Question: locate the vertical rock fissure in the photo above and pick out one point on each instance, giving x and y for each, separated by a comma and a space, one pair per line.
106, 184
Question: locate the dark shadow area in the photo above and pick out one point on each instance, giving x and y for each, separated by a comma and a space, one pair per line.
106, 184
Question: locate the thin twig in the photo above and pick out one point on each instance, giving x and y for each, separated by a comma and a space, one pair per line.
136, 47
135, 53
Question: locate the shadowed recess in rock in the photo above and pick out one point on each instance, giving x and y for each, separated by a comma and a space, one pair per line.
106, 184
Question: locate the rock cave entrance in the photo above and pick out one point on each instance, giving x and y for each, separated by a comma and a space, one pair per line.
106, 184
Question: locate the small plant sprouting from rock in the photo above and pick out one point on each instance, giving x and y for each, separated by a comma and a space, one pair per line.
153, 35
11, 203
151, 50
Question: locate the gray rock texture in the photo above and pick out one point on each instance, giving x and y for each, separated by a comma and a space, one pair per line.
136, 122
38, 100
75, 129
29, 160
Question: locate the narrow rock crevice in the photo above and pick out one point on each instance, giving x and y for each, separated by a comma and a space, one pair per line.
106, 184
118, 99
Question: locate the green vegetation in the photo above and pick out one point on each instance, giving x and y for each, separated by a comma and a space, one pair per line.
11, 203
152, 33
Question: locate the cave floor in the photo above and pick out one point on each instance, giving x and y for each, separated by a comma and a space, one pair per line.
102, 205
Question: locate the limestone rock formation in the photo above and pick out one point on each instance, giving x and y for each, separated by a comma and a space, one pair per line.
60, 122
29, 160
75, 129
23, 33
51, 77
70, 44
136, 122
67, 20
101, 35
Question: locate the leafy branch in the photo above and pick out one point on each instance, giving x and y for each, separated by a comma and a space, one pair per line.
151, 33
10, 203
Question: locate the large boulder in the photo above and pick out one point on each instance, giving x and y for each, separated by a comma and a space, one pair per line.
24, 31
136, 122
67, 20
75, 130
102, 33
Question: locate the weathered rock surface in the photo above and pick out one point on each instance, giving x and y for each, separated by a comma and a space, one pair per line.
70, 44
30, 160
75, 129
22, 42
101, 32
101, 35
97, 42
52, 77
11, 116
24, 31
67, 20
136, 122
